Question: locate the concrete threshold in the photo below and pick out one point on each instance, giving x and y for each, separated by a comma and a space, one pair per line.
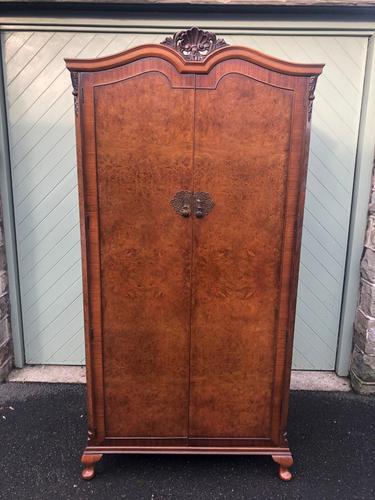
301, 380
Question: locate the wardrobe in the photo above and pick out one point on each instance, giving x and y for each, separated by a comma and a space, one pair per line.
192, 158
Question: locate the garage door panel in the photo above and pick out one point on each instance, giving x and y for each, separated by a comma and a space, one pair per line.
312, 317
14, 41
45, 313
49, 248
314, 246
42, 277
20, 103
334, 223
40, 163
37, 189
326, 239
41, 132
328, 178
38, 212
314, 348
40, 64
324, 297
26, 54
37, 228
41, 124
43, 297
55, 335
326, 150
322, 271
69, 349
308, 296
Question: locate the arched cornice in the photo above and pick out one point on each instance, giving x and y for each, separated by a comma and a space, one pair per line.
174, 55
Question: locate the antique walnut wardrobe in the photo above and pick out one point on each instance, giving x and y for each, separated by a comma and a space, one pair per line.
192, 163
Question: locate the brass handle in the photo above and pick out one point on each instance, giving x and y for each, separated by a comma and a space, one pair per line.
185, 211
203, 204
185, 202
182, 203
198, 209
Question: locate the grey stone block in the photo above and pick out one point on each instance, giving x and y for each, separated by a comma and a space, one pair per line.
361, 387
6, 360
4, 329
371, 207
367, 298
370, 233
5, 369
364, 332
4, 306
3, 259
363, 365
365, 342
362, 322
3, 282
5, 351
368, 265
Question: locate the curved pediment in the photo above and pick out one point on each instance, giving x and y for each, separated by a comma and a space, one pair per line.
194, 51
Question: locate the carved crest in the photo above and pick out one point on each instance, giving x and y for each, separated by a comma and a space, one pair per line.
194, 44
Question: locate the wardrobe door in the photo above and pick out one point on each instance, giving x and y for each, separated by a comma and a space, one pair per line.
139, 143
243, 153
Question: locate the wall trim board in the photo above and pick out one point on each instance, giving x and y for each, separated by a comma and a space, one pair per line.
227, 23
219, 30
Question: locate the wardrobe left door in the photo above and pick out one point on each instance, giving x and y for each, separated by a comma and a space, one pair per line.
137, 128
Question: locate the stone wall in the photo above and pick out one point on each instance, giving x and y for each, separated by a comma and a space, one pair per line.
6, 358
362, 370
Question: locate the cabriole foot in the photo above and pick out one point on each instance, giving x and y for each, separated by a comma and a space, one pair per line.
89, 462
284, 461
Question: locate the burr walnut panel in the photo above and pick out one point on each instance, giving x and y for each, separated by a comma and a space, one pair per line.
242, 136
144, 151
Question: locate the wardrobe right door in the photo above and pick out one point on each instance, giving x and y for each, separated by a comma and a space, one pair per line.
248, 158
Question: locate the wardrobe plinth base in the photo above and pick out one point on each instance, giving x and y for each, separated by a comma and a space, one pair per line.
92, 455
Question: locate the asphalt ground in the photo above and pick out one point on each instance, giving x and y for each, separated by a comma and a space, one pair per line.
43, 433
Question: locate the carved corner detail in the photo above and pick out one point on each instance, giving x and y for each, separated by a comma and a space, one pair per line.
90, 436
312, 85
194, 44
74, 77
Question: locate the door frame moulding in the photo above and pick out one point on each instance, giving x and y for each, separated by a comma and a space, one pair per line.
253, 26
358, 217
10, 231
235, 24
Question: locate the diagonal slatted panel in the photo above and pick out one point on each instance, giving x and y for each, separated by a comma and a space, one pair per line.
41, 130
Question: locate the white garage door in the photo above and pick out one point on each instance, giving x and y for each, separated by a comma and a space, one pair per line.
42, 142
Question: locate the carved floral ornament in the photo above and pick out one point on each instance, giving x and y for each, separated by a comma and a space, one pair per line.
312, 85
194, 44
74, 77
